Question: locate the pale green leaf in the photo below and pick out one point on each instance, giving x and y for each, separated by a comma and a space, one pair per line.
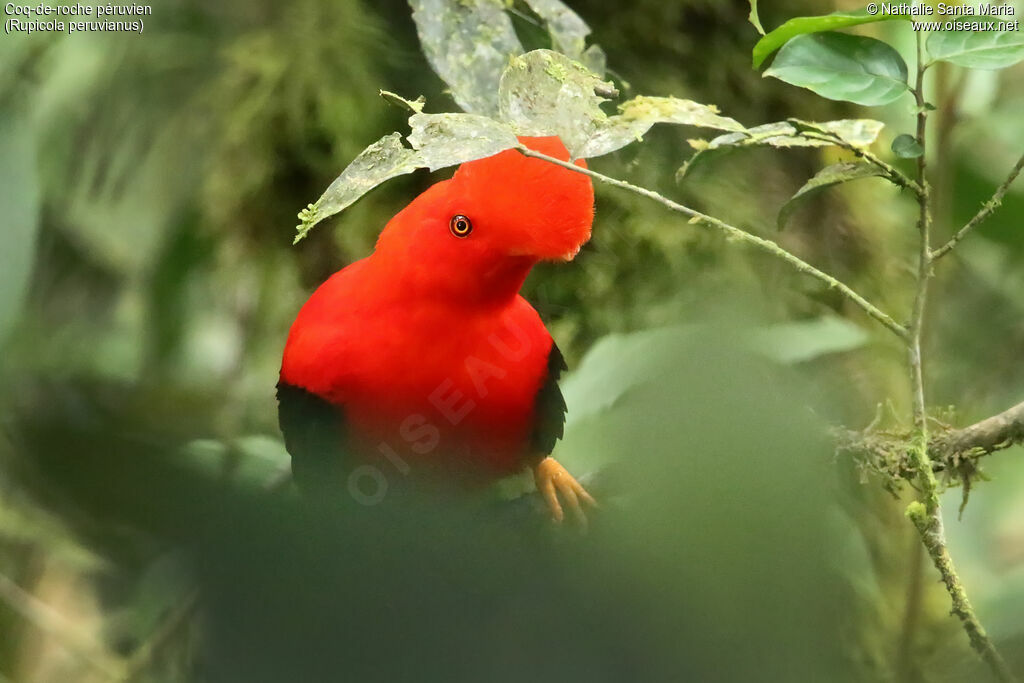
783, 134
449, 139
383, 160
546, 93
803, 25
438, 140
20, 199
827, 177
796, 342
754, 19
468, 43
415, 106
569, 33
638, 115
977, 49
838, 66
855, 132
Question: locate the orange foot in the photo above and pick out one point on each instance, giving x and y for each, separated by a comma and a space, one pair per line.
554, 482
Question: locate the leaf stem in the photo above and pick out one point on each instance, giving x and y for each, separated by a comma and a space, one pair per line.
986, 210
735, 233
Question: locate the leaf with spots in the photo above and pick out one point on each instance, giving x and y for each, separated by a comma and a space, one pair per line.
468, 43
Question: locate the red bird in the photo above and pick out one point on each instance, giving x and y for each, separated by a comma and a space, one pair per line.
424, 356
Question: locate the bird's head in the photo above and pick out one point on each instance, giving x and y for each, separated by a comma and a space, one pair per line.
491, 222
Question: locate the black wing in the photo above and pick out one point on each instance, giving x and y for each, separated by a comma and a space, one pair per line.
314, 434
550, 406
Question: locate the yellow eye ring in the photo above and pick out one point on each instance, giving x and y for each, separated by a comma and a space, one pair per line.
460, 225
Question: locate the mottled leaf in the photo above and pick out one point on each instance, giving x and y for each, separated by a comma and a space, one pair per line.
803, 25
568, 33
977, 49
854, 132
793, 133
383, 160
546, 93
468, 43
638, 115
838, 66
906, 147
827, 177
449, 139
438, 140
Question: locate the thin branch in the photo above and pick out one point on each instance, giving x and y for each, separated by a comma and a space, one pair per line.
144, 656
926, 513
737, 234
981, 438
893, 174
986, 210
49, 621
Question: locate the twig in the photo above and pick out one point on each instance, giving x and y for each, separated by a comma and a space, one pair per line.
47, 620
737, 234
147, 652
926, 513
986, 210
895, 176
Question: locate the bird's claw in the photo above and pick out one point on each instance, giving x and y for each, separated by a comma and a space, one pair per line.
554, 483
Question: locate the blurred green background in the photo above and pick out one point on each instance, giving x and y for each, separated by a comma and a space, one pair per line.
148, 191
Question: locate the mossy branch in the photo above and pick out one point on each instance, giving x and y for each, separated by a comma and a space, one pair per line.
933, 536
735, 233
987, 209
926, 513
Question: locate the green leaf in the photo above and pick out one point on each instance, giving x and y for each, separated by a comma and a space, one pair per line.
827, 177
640, 113
385, 159
468, 43
415, 106
803, 25
546, 93
20, 199
438, 140
977, 49
449, 139
797, 342
782, 134
753, 18
569, 33
838, 66
906, 147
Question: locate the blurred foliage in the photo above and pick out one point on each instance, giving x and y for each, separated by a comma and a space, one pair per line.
147, 281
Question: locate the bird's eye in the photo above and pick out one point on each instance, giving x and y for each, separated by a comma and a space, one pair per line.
460, 225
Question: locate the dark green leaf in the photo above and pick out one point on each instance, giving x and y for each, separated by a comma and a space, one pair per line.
906, 147
842, 67
802, 25
977, 49
827, 177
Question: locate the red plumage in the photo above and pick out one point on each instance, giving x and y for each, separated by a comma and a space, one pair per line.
426, 346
